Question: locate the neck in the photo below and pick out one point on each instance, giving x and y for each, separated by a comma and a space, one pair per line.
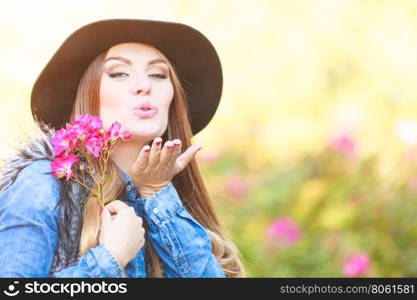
125, 154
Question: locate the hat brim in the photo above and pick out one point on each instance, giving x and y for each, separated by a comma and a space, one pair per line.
193, 56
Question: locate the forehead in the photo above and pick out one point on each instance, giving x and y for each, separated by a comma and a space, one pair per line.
134, 50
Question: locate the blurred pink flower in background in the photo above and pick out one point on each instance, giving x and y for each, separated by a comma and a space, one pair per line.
283, 230
410, 154
236, 187
345, 144
356, 265
412, 183
209, 156
357, 198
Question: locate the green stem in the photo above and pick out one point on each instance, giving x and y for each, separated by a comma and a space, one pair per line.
79, 182
101, 168
98, 194
89, 164
111, 148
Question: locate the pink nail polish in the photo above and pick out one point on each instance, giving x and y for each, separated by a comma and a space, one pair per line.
101, 209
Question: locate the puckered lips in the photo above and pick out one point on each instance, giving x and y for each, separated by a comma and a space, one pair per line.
145, 110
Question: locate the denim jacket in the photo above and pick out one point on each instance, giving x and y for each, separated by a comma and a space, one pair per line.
29, 224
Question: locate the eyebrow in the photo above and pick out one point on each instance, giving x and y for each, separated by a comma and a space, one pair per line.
127, 61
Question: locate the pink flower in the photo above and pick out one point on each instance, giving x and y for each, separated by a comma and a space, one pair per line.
87, 123
82, 122
126, 135
209, 156
357, 198
84, 135
236, 187
64, 140
356, 265
82, 119
344, 144
62, 165
94, 143
96, 124
284, 230
410, 154
113, 131
412, 183
77, 130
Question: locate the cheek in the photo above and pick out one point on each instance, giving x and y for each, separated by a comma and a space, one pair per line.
166, 98
109, 104
108, 95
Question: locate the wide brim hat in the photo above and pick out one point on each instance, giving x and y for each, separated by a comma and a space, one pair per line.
190, 52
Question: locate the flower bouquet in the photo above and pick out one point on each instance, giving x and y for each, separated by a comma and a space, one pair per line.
79, 144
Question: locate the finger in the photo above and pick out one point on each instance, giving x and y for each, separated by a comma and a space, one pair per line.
125, 212
183, 160
116, 206
141, 243
176, 151
166, 152
105, 217
155, 152
142, 160
140, 221
141, 229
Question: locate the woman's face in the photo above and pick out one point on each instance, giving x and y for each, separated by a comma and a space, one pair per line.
136, 90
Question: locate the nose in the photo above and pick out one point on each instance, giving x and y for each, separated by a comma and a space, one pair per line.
141, 86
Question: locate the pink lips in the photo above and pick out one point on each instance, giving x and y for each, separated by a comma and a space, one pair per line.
146, 110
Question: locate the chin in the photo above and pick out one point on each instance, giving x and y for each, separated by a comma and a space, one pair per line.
145, 134
148, 129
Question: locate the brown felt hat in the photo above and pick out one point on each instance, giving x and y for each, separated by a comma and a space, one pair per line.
193, 56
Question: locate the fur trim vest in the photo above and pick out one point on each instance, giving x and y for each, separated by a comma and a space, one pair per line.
71, 200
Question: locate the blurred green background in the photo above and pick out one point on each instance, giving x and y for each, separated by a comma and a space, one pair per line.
311, 157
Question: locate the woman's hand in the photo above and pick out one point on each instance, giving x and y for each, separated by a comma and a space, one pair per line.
155, 166
121, 231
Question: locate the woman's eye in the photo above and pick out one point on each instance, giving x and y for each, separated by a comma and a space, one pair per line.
159, 76
117, 74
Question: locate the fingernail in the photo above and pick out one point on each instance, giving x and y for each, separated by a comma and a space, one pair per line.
158, 141
101, 209
147, 148
199, 147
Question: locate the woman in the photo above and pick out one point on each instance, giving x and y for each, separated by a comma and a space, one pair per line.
163, 224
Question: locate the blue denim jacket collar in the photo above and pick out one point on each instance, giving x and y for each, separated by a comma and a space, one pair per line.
131, 190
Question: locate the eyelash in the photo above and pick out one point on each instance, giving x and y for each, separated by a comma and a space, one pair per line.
116, 74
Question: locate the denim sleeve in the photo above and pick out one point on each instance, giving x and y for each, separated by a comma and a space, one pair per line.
183, 244
29, 229
97, 262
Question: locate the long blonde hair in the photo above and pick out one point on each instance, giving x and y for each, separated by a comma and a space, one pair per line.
188, 183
